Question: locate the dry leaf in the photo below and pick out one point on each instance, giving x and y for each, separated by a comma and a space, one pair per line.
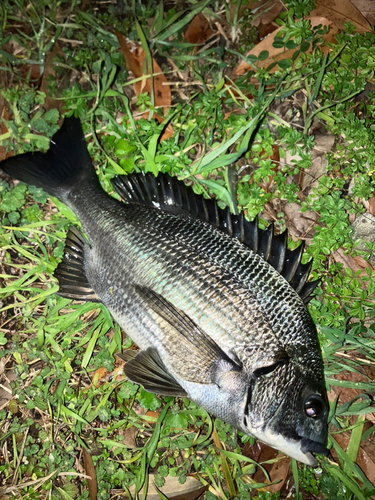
301, 224
90, 471
366, 8
129, 437
278, 471
100, 376
340, 12
168, 131
276, 55
6, 390
371, 206
353, 263
134, 56
173, 490
278, 474
31, 71
199, 30
153, 414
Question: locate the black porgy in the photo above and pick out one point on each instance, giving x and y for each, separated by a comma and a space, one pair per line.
216, 306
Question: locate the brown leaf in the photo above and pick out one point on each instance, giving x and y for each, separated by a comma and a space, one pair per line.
353, 263
371, 206
301, 224
90, 471
129, 437
100, 376
199, 30
168, 131
153, 414
278, 471
276, 55
31, 71
366, 8
340, 12
278, 474
134, 56
6, 390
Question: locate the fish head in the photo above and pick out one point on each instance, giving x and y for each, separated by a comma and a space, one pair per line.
287, 409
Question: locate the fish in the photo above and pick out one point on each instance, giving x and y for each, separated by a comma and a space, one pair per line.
216, 305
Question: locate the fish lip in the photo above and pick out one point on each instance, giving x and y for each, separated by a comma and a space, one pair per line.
309, 446
298, 447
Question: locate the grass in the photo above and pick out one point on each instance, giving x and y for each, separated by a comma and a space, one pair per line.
63, 59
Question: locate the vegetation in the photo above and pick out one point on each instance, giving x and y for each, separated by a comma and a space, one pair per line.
251, 140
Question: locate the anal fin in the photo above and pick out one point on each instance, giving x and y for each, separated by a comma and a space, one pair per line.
149, 371
70, 273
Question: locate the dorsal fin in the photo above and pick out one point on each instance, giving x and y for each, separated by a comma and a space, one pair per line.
169, 194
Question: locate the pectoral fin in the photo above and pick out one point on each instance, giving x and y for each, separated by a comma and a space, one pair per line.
149, 371
191, 353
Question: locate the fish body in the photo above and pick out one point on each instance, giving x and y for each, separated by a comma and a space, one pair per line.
213, 319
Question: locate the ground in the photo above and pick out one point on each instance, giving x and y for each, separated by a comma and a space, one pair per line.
279, 126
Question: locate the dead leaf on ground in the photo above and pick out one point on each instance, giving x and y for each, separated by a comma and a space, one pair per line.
129, 437
6, 376
340, 12
100, 376
353, 263
90, 471
371, 206
173, 490
199, 30
366, 8
301, 224
168, 131
277, 471
275, 55
134, 56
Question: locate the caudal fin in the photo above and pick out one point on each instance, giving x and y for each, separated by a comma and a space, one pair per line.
67, 163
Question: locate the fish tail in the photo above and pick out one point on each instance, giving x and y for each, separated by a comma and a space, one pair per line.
66, 164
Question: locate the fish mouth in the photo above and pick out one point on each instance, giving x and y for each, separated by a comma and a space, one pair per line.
299, 447
310, 446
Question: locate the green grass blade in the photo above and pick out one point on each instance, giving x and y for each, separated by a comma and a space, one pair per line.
177, 26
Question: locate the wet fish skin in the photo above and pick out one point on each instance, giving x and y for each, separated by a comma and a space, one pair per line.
213, 320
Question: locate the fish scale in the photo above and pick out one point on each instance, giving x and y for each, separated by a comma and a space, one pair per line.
189, 295
199, 290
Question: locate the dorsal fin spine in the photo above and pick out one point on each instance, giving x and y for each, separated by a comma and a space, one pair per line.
171, 194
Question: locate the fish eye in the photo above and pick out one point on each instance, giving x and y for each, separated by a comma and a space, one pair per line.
314, 406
